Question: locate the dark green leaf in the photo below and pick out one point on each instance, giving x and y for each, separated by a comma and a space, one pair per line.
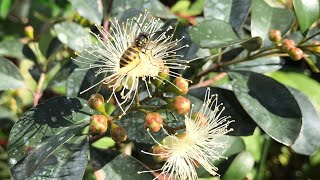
240, 166
49, 137
90, 9
307, 12
252, 44
213, 34
120, 168
264, 18
11, 48
308, 139
133, 122
297, 79
269, 103
72, 35
10, 75
243, 124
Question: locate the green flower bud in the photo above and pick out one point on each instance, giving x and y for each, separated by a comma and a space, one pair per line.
153, 121
164, 74
98, 124
118, 133
29, 31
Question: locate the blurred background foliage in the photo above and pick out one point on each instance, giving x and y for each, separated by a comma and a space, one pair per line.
39, 37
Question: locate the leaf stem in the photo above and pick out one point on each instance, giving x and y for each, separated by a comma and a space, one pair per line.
263, 159
307, 39
38, 93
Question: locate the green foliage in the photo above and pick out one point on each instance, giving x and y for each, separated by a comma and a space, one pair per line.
49, 67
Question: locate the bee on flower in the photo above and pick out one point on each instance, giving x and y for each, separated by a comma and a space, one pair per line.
198, 145
135, 51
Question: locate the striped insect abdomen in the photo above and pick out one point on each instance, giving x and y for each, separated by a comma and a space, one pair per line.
130, 55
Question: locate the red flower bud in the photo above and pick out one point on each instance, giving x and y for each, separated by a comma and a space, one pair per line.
96, 101
295, 53
153, 121
118, 133
181, 84
275, 36
180, 105
287, 44
98, 124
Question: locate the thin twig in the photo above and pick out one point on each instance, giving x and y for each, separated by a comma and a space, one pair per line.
209, 82
38, 93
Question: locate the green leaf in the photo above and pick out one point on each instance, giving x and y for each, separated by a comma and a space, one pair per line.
297, 79
269, 103
307, 12
4, 8
10, 75
240, 166
213, 34
252, 44
259, 65
72, 35
231, 11
90, 9
119, 168
243, 125
11, 48
155, 7
308, 139
49, 137
104, 143
254, 144
264, 18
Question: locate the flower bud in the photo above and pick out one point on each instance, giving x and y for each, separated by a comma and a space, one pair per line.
164, 74
181, 86
118, 133
295, 53
275, 35
96, 101
98, 124
180, 105
153, 121
316, 47
29, 31
287, 44
200, 118
158, 150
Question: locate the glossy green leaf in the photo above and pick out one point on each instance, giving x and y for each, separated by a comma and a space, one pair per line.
259, 65
90, 9
297, 79
11, 48
243, 124
307, 12
269, 103
5, 8
264, 18
240, 166
49, 137
10, 75
254, 144
308, 139
119, 168
231, 11
213, 34
104, 143
72, 34
155, 7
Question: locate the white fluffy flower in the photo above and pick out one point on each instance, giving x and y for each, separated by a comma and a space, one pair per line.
198, 145
157, 56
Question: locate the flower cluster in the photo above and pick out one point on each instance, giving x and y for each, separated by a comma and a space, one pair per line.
198, 145
157, 56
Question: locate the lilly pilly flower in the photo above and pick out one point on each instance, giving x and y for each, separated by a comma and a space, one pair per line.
198, 145
145, 63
